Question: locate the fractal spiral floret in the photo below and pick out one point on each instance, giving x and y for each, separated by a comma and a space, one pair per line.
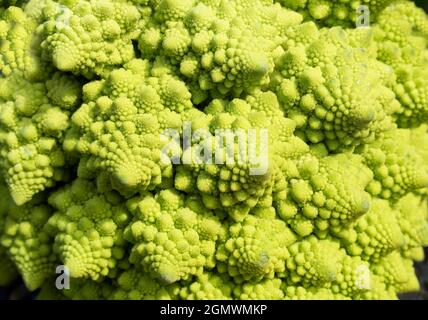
121, 127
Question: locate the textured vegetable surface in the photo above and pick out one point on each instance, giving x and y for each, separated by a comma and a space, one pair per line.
333, 205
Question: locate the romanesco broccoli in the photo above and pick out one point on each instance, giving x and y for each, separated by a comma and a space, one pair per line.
213, 149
